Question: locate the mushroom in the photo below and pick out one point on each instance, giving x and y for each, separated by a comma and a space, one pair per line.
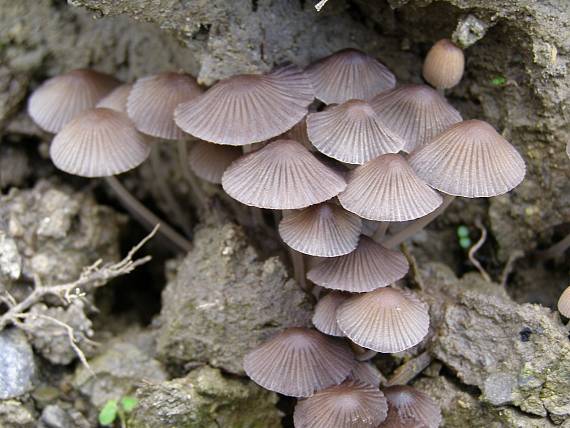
117, 98
367, 268
153, 99
352, 404
564, 303
60, 99
365, 371
209, 161
385, 320
281, 175
387, 189
99, 142
416, 113
470, 159
247, 109
349, 74
352, 132
323, 230
298, 361
324, 317
411, 407
444, 65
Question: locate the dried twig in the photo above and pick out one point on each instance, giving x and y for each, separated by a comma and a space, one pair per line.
410, 369
476, 247
320, 5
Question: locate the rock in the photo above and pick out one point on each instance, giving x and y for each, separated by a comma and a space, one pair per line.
55, 417
205, 399
51, 340
57, 231
515, 354
10, 259
17, 366
116, 371
225, 302
14, 166
14, 414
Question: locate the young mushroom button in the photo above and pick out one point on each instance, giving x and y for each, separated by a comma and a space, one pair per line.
444, 65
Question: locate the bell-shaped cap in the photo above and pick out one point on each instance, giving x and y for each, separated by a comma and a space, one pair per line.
209, 161
564, 303
368, 267
412, 406
365, 371
351, 404
470, 159
117, 98
385, 320
417, 113
60, 99
324, 318
349, 75
153, 99
323, 230
282, 175
298, 362
352, 132
444, 64
247, 109
99, 142
387, 189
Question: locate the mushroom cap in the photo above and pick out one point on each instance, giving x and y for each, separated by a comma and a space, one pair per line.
417, 113
98, 143
298, 361
299, 133
365, 371
470, 159
60, 99
324, 318
413, 406
351, 404
247, 109
385, 320
281, 175
349, 74
117, 98
564, 303
352, 132
368, 267
209, 161
153, 99
387, 189
323, 230
444, 64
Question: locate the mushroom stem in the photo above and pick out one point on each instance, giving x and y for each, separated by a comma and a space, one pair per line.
187, 173
362, 354
417, 225
158, 170
381, 230
555, 250
476, 247
146, 217
298, 262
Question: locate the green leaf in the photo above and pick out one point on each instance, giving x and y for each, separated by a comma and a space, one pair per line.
463, 232
498, 80
465, 243
128, 403
108, 413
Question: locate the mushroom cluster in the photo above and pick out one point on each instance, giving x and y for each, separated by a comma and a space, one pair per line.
341, 153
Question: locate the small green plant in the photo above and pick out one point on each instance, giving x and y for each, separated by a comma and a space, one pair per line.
463, 236
114, 409
498, 80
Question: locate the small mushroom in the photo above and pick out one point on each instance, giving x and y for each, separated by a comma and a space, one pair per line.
387, 189
470, 159
444, 64
209, 161
564, 303
349, 75
98, 143
386, 320
153, 99
412, 407
324, 318
247, 109
352, 132
367, 268
281, 175
323, 230
351, 404
60, 99
416, 113
298, 361
117, 98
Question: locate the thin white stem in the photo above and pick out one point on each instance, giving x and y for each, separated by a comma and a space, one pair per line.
381, 231
476, 247
188, 174
556, 250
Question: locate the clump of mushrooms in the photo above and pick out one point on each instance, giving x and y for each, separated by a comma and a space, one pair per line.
373, 152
